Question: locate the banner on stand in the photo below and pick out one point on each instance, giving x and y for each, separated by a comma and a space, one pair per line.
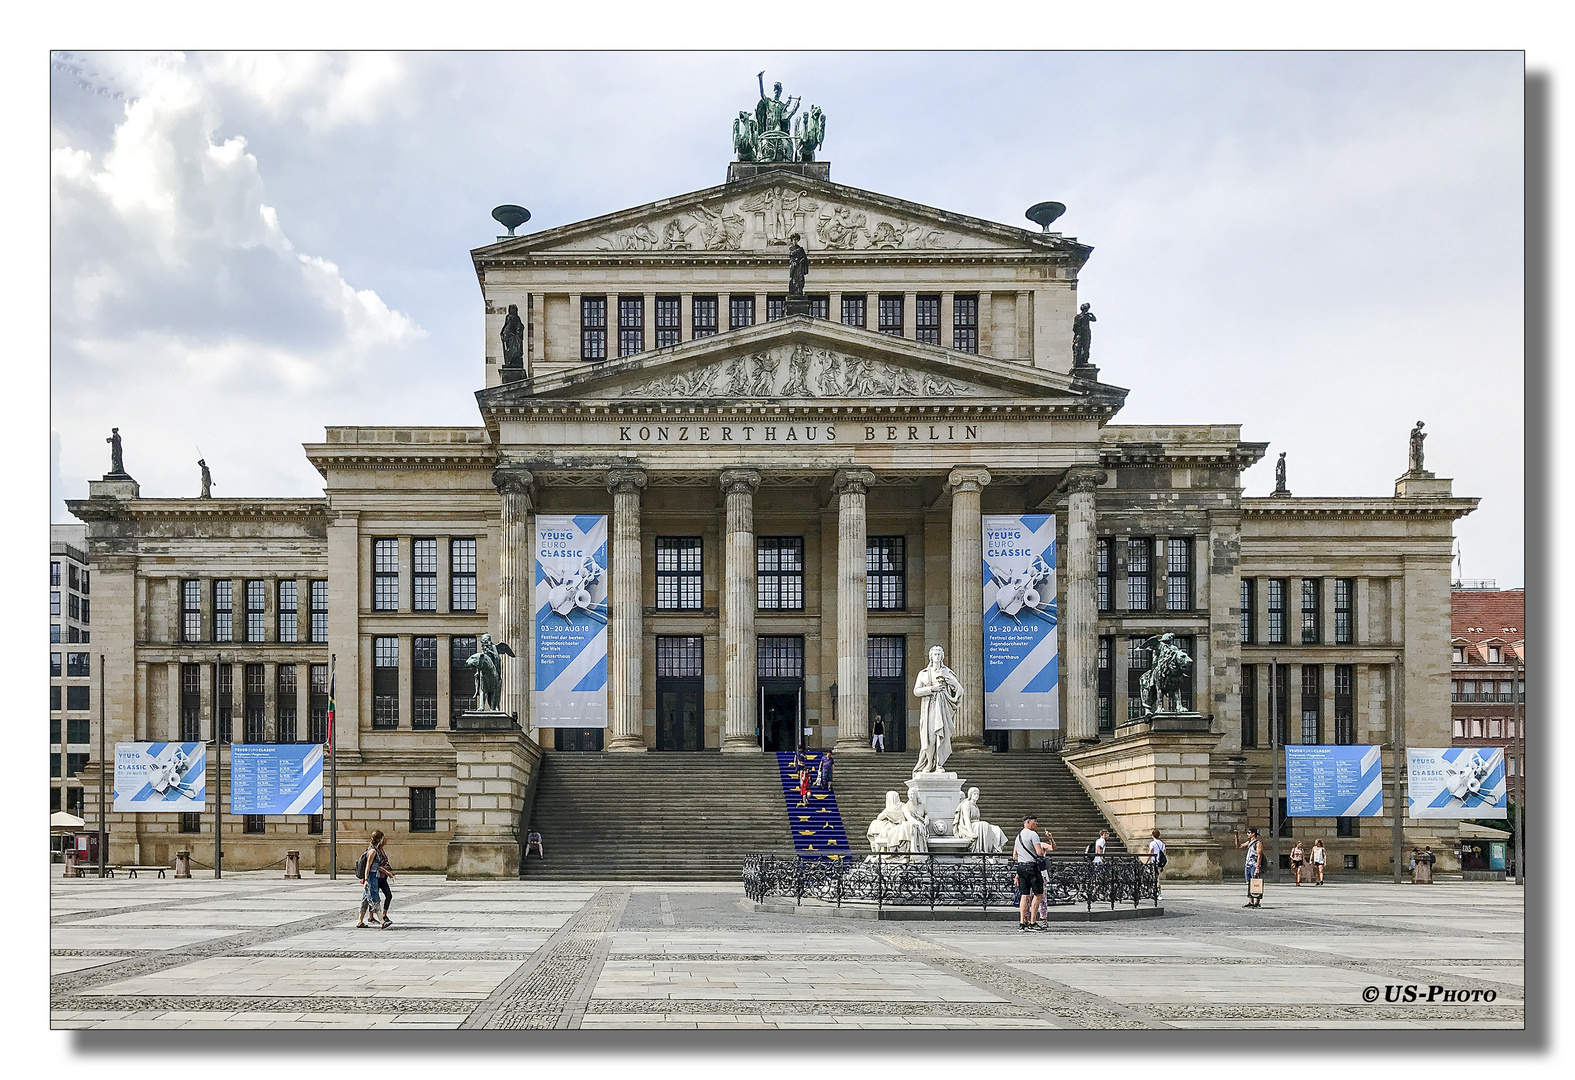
161, 777
571, 621
276, 778
1021, 665
1457, 782
1334, 781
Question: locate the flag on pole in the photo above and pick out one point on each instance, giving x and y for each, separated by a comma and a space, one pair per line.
329, 747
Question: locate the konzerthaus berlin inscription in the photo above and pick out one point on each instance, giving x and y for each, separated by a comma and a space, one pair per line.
764, 425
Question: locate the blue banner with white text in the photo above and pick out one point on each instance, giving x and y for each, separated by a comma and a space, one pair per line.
571, 621
276, 778
1334, 781
1021, 654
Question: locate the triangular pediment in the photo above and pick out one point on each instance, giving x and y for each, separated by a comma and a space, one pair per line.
759, 215
802, 360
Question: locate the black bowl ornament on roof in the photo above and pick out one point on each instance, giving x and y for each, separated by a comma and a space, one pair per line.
510, 216
1042, 214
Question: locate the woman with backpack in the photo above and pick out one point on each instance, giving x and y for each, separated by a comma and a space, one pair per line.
372, 870
1157, 858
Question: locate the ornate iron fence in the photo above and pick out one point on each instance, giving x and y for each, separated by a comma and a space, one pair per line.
947, 881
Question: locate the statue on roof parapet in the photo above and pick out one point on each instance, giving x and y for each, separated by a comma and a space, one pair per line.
769, 135
1417, 435
1280, 490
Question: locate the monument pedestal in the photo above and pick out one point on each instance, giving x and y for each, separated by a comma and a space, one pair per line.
938, 793
495, 766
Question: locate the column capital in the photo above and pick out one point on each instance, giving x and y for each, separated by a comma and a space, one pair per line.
740, 479
625, 481
1083, 478
513, 481
858, 481
967, 478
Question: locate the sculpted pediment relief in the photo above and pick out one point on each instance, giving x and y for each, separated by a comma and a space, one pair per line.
796, 372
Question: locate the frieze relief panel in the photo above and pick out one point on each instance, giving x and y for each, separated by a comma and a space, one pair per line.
797, 372
766, 219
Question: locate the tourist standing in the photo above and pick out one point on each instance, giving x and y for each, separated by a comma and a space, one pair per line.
878, 735
1027, 850
1319, 857
1298, 856
1254, 864
823, 771
1156, 858
1097, 848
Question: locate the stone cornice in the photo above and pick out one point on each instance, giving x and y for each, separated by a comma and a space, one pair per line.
398, 456
1169, 455
1356, 507
252, 509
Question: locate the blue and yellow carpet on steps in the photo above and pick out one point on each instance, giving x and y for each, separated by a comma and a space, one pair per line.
817, 826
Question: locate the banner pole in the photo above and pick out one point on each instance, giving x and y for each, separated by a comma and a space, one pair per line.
1398, 736
333, 780
103, 830
218, 777
1274, 760
1520, 773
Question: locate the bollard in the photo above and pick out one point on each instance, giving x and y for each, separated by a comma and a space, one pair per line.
292, 864
183, 864
71, 863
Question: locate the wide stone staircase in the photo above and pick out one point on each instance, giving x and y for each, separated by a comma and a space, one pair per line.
656, 816
1010, 786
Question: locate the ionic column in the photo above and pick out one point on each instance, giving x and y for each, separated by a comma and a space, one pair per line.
853, 683
966, 656
1080, 620
738, 611
624, 624
514, 586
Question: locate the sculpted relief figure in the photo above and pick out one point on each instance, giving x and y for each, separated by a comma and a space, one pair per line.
797, 384
674, 235
940, 693
830, 374
765, 380
968, 825
513, 338
738, 377
719, 230
841, 227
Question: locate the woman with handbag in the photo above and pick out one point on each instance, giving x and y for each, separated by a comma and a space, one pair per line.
1254, 866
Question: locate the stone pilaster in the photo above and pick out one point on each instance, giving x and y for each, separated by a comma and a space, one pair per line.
495, 765
625, 632
966, 656
853, 688
738, 611
1080, 630
515, 486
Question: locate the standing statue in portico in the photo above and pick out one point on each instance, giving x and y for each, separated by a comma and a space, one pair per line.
513, 338
940, 693
798, 267
1166, 674
117, 461
1417, 435
488, 666
1082, 335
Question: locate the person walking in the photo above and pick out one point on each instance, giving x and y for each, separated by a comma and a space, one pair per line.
1254, 864
1097, 848
1026, 850
367, 870
803, 787
823, 771
1319, 857
1043, 922
878, 735
1298, 856
384, 873
1157, 859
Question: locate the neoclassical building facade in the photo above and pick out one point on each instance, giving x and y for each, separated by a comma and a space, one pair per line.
794, 506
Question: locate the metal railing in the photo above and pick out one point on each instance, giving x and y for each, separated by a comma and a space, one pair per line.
947, 881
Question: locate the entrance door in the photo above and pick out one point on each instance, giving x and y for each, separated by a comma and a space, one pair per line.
680, 693
780, 667
889, 688
586, 740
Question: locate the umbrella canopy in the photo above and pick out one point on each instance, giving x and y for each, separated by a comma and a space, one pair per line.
63, 820
1472, 831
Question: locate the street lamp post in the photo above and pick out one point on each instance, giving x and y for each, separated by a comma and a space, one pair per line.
103, 829
218, 776
1274, 764
1397, 740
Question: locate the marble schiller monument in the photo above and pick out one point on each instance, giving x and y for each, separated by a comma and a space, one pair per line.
790, 495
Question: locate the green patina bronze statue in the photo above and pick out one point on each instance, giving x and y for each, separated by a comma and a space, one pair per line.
1161, 684
770, 134
488, 666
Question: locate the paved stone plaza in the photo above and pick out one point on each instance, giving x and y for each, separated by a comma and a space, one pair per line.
253, 950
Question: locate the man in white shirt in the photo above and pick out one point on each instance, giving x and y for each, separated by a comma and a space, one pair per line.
1099, 846
1156, 859
1030, 882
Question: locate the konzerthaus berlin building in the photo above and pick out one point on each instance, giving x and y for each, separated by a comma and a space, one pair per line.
794, 512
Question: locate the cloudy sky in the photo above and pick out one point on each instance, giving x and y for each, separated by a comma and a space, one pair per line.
1323, 247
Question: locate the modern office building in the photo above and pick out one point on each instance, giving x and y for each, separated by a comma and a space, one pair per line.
72, 696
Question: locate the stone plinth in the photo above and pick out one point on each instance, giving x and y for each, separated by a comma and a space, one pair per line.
939, 793
495, 766
1156, 776
1423, 485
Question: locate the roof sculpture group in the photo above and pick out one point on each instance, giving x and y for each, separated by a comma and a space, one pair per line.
770, 135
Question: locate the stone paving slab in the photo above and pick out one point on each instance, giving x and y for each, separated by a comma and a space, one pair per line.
890, 980
132, 937
59, 965
296, 977
405, 937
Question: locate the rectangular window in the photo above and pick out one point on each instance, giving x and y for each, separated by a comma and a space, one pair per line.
286, 702
1312, 611
86, 615
461, 678
74, 606
1344, 611
705, 316
678, 577
319, 600
776, 308
54, 721
54, 633
1276, 610
191, 823
73, 577
886, 584
779, 657
927, 319
78, 665
1189, 645
1106, 687
462, 575
1280, 684
1102, 573
1495, 729
680, 657
73, 635
54, 665
256, 607
385, 682
54, 574
669, 325
631, 325
423, 683
740, 312
853, 310
190, 703
1468, 689
317, 703
1249, 706
886, 655
1345, 704
385, 574
256, 824
1140, 583
593, 328
779, 573
1137, 663
1495, 654
1345, 828
1249, 611
423, 809
79, 729
890, 308
288, 608
1178, 574
820, 307
54, 701
1460, 729
965, 322
1312, 704
256, 716
54, 766
190, 610
314, 824
423, 574
79, 698
85, 582
1476, 729
223, 610
75, 763
54, 603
